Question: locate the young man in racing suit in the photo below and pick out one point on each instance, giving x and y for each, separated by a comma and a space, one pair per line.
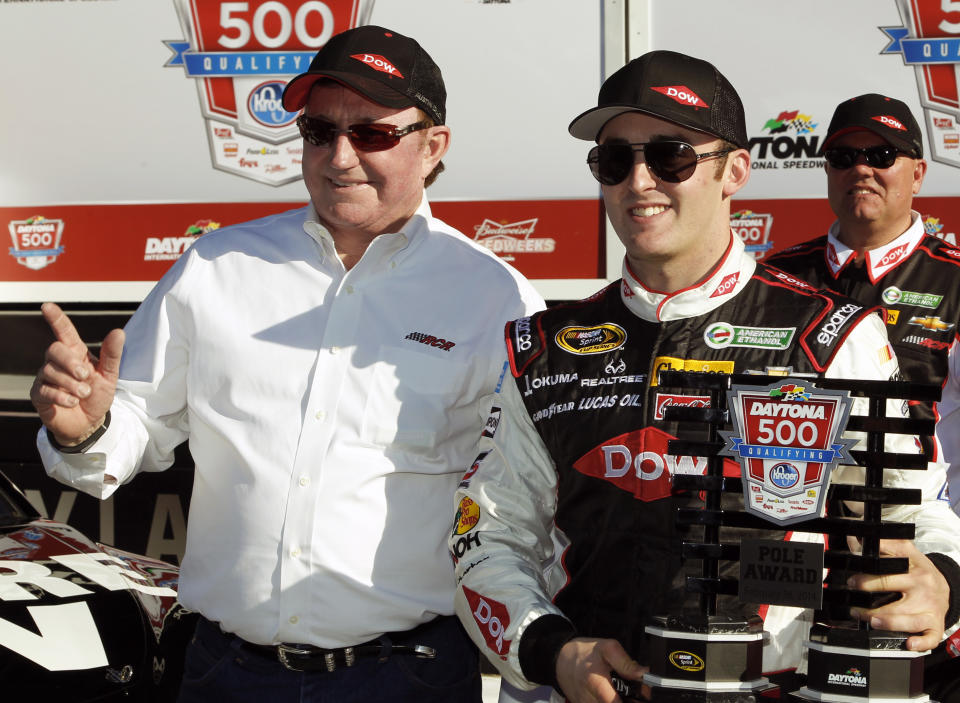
565, 536
878, 253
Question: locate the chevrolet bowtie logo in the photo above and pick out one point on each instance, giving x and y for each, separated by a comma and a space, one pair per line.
931, 323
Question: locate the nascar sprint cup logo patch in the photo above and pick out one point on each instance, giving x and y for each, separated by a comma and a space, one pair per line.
787, 439
241, 55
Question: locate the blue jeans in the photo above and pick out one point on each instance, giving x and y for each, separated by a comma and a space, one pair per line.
220, 669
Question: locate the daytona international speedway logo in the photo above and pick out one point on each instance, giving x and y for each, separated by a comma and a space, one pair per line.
241, 55
786, 437
790, 142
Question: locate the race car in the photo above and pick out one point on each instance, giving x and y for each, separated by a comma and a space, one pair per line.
81, 621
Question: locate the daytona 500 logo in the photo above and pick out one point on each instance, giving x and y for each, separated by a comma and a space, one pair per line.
241, 55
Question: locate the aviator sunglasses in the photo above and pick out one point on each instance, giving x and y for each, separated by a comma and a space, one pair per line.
364, 137
844, 157
670, 161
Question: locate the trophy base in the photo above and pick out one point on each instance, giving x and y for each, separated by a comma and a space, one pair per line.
808, 694
679, 691
851, 666
705, 658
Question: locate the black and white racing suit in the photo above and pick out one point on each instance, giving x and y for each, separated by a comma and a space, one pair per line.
916, 279
566, 521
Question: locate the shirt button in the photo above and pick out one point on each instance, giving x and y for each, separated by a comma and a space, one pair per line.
334, 350
304, 481
294, 619
321, 415
349, 290
295, 552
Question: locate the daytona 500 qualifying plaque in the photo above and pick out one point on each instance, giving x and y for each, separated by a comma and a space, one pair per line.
787, 439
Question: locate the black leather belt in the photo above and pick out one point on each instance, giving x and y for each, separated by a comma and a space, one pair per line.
301, 657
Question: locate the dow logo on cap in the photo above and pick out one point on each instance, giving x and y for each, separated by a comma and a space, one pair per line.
890, 122
682, 94
377, 62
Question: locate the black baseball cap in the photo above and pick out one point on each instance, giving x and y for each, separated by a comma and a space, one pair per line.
674, 87
886, 117
380, 64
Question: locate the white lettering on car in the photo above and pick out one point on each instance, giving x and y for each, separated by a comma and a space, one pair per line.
68, 639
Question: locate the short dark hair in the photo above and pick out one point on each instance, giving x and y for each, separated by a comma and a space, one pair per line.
721, 163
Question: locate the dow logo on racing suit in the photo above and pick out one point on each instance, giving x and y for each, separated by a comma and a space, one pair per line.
638, 462
492, 618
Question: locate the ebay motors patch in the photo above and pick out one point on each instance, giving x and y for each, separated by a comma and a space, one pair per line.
787, 439
241, 55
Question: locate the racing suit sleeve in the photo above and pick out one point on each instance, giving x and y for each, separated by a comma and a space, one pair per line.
508, 559
864, 355
149, 410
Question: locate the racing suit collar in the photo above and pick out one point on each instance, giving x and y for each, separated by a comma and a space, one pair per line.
731, 273
879, 261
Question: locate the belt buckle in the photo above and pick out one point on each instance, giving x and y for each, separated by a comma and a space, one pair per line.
283, 652
422, 651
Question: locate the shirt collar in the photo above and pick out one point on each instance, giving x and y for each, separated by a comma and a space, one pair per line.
728, 277
388, 244
879, 261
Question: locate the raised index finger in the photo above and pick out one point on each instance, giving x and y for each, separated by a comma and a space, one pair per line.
61, 325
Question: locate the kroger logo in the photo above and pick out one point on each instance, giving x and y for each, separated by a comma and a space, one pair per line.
784, 475
264, 105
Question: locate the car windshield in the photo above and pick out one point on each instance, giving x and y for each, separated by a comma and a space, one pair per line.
10, 514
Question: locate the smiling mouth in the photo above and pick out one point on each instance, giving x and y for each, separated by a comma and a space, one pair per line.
649, 211
345, 184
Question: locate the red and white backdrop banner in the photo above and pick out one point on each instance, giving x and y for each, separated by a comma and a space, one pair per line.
152, 124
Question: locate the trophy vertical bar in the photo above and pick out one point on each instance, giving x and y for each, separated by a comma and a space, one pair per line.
849, 662
704, 655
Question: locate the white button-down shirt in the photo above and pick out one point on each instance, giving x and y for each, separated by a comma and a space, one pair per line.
330, 414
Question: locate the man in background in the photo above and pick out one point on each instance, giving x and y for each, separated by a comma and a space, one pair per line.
878, 253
